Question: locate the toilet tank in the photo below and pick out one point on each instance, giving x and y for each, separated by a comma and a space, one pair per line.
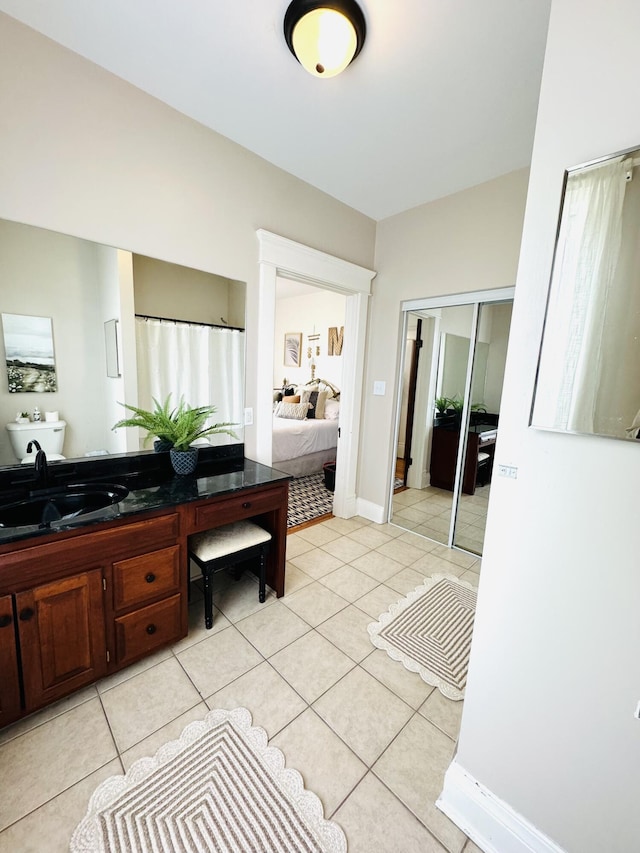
48, 434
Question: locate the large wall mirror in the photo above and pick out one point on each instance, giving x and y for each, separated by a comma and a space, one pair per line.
589, 368
177, 329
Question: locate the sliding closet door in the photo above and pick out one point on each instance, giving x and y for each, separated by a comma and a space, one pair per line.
424, 491
474, 486
452, 401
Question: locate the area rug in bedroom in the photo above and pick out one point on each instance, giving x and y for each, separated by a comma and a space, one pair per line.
309, 498
429, 632
219, 787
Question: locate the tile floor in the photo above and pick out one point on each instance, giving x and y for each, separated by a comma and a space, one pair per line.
371, 739
428, 512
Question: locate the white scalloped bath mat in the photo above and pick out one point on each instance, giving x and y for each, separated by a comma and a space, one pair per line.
429, 632
219, 787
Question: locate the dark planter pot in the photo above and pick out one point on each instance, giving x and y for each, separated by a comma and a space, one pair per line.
161, 445
184, 461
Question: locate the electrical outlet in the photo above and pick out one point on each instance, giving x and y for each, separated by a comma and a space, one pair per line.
509, 471
248, 417
637, 712
379, 388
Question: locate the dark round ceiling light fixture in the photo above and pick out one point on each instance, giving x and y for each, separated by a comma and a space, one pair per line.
325, 37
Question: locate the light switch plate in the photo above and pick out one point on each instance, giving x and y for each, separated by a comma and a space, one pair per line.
379, 388
248, 417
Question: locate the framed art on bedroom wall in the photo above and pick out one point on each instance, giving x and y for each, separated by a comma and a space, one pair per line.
293, 349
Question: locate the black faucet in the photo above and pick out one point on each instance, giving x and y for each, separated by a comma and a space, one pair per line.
42, 472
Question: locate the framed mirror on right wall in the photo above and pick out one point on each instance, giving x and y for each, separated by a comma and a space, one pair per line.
588, 378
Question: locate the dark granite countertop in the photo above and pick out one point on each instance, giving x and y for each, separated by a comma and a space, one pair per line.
152, 486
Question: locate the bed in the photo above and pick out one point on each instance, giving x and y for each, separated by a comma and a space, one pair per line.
302, 445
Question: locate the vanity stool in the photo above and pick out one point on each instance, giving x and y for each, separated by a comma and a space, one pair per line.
484, 468
223, 547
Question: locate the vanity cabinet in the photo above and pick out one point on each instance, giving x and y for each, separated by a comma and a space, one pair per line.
61, 636
85, 603
79, 604
9, 675
142, 622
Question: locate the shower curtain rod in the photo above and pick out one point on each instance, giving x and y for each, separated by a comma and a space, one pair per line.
190, 322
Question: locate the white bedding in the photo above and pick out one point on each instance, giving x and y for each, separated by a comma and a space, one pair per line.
293, 438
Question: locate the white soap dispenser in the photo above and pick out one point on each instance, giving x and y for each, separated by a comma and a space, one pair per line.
36, 414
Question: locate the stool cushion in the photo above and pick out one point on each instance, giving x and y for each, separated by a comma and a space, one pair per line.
227, 540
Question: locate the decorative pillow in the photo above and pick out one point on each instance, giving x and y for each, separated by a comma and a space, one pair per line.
292, 398
292, 411
317, 399
320, 385
332, 410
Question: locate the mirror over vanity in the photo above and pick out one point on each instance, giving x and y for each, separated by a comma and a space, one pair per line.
175, 328
588, 377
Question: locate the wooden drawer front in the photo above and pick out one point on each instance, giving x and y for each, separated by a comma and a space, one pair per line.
234, 509
142, 631
148, 576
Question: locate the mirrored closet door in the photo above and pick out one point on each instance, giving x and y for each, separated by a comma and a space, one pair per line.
448, 415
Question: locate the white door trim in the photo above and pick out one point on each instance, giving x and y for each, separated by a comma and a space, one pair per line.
279, 256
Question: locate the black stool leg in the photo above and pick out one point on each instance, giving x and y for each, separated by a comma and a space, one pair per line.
263, 576
208, 598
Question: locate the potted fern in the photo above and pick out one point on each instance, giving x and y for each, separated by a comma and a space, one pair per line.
178, 428
441, 404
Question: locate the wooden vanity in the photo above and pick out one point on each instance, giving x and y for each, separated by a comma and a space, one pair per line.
77, 604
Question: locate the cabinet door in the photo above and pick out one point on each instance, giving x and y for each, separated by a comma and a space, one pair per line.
62, 636
9, 679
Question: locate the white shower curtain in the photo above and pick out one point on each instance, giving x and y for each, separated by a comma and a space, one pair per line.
204, 365
587, 255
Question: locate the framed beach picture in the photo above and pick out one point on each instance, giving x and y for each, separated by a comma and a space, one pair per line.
28, 344
292, 349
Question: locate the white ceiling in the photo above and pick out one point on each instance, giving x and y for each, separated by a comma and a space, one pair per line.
442, 97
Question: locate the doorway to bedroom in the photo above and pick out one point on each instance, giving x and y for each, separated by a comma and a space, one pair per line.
307, 384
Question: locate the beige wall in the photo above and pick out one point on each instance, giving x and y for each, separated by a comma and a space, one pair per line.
50, 275
319, 309
168, 290
86, 154
548, 724
467, 241
500, 326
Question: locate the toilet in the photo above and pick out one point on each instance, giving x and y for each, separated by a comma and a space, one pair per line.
48, 434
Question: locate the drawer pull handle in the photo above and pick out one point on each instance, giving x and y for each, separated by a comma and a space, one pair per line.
151, 629
26, 614
150, 577
5, 620
246, 505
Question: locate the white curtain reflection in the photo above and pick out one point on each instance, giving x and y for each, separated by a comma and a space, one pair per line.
588, 250
202, 364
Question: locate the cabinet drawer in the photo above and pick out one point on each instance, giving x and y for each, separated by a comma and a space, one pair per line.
148, 576
235, 509
144, 630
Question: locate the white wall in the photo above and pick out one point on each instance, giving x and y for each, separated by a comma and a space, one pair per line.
554, 680
87, 154
319, 310
467, 241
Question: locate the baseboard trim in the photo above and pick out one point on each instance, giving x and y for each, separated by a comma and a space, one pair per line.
490, 822
350, 507
371, 511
